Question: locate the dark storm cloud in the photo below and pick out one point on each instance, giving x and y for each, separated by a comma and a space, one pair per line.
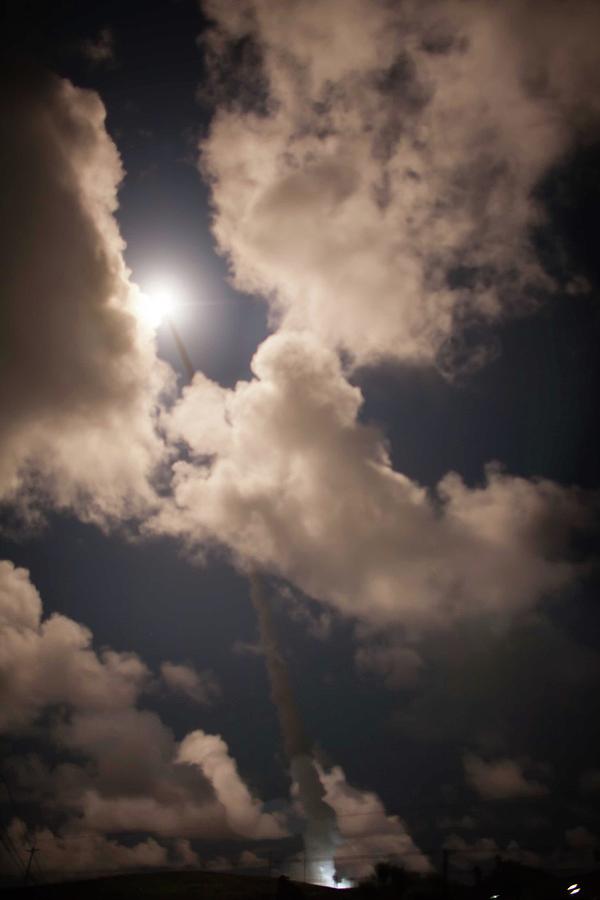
80, 378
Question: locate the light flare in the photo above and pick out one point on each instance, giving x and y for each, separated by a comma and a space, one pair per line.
325, 875
158, 302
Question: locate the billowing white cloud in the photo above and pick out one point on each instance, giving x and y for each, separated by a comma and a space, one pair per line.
47, 662
282, 472
368, 834
191, 790
377, 185
80, 377
244, 813
201, 687
500, 779
130, 775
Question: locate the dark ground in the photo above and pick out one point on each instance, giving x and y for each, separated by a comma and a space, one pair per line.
209, 885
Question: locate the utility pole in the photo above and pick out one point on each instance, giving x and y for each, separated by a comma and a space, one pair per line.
32, 851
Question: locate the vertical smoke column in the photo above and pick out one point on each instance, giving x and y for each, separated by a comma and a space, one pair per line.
321, 834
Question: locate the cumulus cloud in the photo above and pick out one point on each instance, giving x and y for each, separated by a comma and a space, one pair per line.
398, 666
86, 852
465, 855
500, 779
210, 753
47, 662
368, 834
482, 678
201, 687
378, 184
118, 767
317, 623
143, 781
80, 378
100, 50
250, 860
283, 472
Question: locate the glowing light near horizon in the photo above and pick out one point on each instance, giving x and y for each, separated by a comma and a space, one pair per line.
158, 302
574, 889
326, 877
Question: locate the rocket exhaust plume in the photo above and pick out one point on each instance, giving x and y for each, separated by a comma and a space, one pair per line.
321, 834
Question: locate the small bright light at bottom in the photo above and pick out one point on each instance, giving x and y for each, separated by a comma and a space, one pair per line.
326, 877
573, 889
158, 301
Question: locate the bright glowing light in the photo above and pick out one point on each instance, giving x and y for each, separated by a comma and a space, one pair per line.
574, 889
158, 302
326, 876
343, 884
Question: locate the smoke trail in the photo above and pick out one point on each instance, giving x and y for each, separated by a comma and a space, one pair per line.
321, 834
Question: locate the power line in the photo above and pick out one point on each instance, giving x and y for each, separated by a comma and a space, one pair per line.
10, 849
32, 852
8, 842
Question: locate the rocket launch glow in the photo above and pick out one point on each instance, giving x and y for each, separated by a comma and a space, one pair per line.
321, 834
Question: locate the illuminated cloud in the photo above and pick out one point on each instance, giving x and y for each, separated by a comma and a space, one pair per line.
283, 473
201, 687
46, 662
465, 855
101, 50
244, 813
377, 187
398, 666
130, 774
79, 852
80, 378
500, 779
368, 833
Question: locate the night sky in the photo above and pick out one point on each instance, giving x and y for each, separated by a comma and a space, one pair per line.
380, 225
